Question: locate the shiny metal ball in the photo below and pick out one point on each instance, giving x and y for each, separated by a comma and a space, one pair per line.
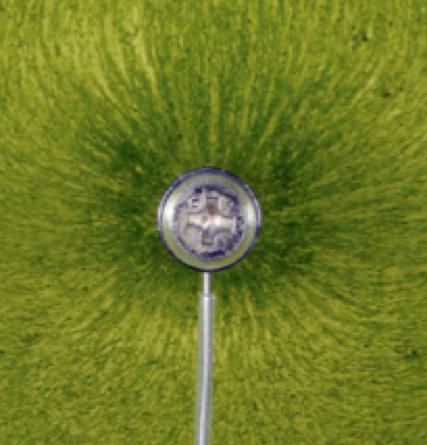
209, 219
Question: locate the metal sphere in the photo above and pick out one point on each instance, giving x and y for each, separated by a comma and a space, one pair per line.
209, 219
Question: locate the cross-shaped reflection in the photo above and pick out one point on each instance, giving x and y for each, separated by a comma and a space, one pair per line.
211, 221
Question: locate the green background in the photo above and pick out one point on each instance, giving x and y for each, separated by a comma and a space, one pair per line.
320, 333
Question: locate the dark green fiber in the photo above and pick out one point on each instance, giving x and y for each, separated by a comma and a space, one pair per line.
320, 333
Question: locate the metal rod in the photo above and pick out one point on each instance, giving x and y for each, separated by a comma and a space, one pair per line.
205, 363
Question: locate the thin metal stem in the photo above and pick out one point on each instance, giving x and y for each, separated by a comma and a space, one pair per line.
205, 363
